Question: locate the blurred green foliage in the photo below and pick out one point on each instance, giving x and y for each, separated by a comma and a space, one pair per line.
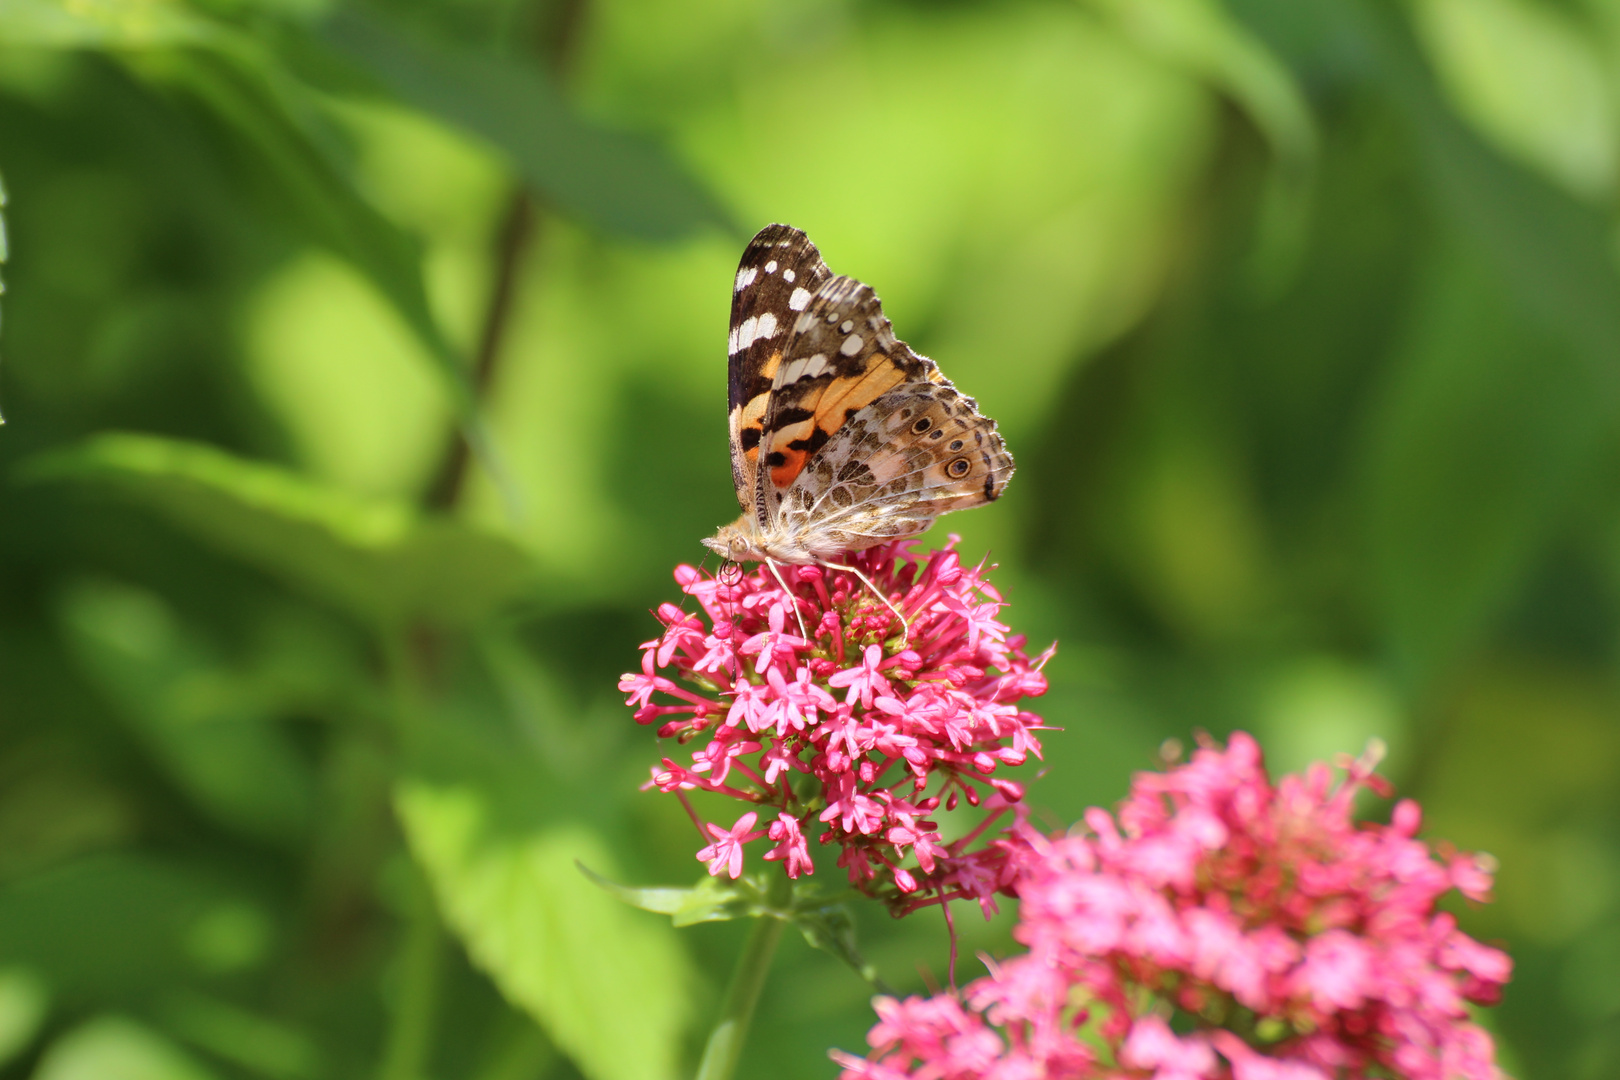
1302, 318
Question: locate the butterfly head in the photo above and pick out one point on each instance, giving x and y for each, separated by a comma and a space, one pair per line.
736, 542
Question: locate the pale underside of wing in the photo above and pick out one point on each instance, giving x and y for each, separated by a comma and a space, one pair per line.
916, 452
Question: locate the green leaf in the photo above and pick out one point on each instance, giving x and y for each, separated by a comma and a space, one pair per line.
1201, 38
1503, 402
116, 1048
831, 929
266, 1047
710, 900
205, 725
1554, 255
379, 560
660, 900
57, 923
615, 180
24, 1004
610, 987
5, 249
101, 24
1479, 449
275, 123
1529, 78
825, 926
264, 112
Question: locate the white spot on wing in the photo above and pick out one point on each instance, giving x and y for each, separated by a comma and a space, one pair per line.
852, 345
788, 276
745, 277
770, 267
731, 343
800, 298
753, 329
849, 324
804, 368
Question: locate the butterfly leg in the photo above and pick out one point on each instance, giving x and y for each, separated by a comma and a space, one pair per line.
905, 627
797, 614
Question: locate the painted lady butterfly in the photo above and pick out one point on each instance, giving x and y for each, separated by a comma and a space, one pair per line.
841, 437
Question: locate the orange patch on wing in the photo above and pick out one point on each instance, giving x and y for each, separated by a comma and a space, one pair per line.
782, 441
792, 465
856, 392
801, 430
752, 417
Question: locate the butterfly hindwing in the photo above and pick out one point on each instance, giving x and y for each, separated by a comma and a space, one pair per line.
915, 453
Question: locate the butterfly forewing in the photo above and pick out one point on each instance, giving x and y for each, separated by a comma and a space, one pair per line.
779, 268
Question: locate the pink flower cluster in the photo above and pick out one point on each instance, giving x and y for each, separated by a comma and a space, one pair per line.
839, 727
1222, 928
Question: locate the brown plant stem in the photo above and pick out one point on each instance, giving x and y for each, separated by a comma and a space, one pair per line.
556, 34
512, 243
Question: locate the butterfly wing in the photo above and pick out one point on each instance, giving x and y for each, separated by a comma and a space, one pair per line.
780, 267
918, 451
839, 356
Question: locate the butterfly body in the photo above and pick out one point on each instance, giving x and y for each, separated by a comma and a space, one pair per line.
841, 437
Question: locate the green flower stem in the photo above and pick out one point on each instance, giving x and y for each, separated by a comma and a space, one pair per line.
731, 1030
421, 959
421, 962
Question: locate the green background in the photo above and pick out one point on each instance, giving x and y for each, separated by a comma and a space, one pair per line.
1301, 318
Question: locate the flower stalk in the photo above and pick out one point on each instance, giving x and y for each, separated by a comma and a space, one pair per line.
412, 1027
724, 1048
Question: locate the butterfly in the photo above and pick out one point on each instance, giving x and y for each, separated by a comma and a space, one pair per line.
841, 437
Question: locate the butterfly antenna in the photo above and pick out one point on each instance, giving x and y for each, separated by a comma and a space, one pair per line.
685, 596
793, 596
905, 626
